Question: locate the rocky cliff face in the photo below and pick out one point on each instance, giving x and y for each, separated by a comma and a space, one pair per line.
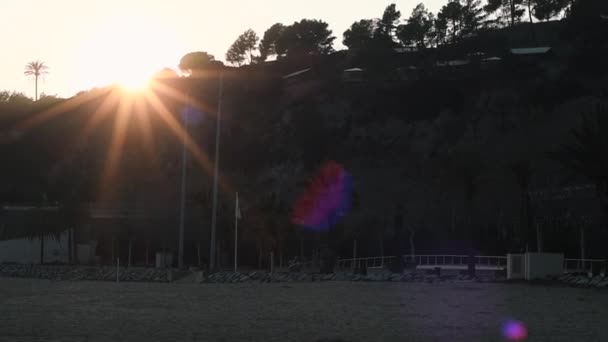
449, 159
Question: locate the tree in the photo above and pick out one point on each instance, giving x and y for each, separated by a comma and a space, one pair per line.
420, 208
195, 62
166, 76
547, 9
473, 16
268, 224
587, 28
510, 10
388, 23
268, 44
37, 69
418, 29
5, 95
304, 38
440, 30
359, 34
464, 169
452, 13
242, 49
522, 170
586, 154
165, 73
16, 99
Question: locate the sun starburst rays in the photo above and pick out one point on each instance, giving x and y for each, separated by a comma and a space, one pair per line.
114, 153
178, 130
128, 111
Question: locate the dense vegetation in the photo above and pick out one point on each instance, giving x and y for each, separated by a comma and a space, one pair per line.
452, 160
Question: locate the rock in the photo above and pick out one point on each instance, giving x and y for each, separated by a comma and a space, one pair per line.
329, 276
464, 278
340, 276
595, 281
408, 277
430, 278
374, 277
418, 277
447, 277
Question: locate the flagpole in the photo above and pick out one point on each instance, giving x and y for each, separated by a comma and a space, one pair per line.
182, 208
212, 247
236, 230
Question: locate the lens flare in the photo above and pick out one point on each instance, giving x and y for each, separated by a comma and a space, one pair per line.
326, 201
514, 331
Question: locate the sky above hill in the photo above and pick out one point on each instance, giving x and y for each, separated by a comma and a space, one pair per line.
94, 43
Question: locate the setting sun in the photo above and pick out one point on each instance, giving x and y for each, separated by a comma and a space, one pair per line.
126, 51
135, 83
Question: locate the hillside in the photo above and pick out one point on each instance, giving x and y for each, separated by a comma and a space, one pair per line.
445, 146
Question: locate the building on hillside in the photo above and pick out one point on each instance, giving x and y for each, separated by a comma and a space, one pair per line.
33, 234
300, 84
297, 77
353, 75
406, 49
530, 60
530, 55
491, 63
452, 69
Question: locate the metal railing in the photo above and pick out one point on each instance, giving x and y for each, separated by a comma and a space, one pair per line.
583, 265
373, 262
489, 262
481, 261
427, 260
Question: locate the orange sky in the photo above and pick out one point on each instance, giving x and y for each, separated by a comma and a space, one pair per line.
89, 43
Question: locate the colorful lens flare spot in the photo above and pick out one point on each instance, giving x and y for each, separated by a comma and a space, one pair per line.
192, 116
326, 201
514, 331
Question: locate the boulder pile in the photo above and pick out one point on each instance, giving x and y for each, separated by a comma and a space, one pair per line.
107, 273
583, 280
67, 272
231, 277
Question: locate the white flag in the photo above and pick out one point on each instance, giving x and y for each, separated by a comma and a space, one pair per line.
237, 209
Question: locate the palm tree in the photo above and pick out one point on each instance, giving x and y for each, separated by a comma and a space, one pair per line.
36, 68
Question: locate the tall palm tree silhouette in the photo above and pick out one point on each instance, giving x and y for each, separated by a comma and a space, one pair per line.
36, 68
